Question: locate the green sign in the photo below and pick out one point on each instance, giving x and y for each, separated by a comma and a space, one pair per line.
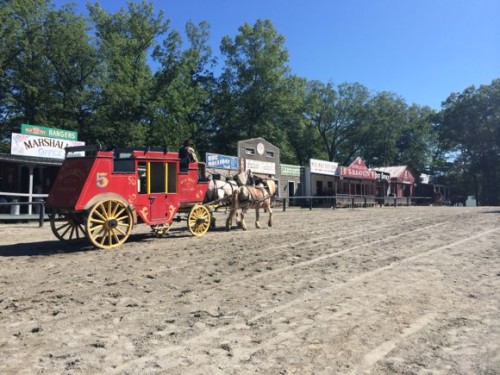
43, 131
290, 170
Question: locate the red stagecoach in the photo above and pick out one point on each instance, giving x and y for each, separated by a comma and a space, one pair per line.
100, 195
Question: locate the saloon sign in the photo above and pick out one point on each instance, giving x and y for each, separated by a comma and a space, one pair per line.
359, 170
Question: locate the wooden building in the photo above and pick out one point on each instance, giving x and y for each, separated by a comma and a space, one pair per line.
401, 181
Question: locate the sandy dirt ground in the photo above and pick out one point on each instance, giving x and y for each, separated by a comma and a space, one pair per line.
406, 290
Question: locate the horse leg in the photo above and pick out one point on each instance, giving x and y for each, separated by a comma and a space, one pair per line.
270, 222
229, 220
257, 224
238, 218
242, 222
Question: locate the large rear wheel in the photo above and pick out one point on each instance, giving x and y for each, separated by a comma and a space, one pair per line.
199, 220
109, 224
68, 227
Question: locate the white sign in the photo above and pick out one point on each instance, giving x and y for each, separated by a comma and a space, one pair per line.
324, 167
257, 166
42, 147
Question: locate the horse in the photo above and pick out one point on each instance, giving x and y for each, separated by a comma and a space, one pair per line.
246, 197
437, 198
218, 190
221, 192
458, 199
244, 178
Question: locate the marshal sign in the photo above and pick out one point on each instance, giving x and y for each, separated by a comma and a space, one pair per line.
42, 147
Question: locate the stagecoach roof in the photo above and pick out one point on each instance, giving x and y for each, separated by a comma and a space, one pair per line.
30, 160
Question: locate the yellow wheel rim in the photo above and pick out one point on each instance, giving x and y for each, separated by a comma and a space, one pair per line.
68, 227
109, 224
199, 220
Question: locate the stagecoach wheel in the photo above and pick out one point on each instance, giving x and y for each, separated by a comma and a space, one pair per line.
68, 227
199, 220
109, 224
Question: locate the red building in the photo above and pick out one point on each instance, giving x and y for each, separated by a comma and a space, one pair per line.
401, 181
357, 179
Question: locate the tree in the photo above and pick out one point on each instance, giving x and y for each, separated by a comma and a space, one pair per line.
336, 115
254, 79
470, 130
75, 71
25, 74
384, 120
302, 137
183, 88
417, 141
124, 40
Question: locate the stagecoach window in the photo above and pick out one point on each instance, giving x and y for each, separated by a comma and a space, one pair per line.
249, 151
123, 166
142, 184
158, 178
172, 178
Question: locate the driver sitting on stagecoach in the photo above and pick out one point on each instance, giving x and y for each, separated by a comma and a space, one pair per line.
187, 155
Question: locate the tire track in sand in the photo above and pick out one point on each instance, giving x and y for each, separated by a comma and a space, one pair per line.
207, 337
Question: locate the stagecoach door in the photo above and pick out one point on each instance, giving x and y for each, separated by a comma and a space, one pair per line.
153, 188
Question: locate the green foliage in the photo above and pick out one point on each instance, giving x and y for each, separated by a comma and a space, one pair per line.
336, 115
255, 77
76, 69
93, 75
25, 73
182, 89
126, 84
469, 129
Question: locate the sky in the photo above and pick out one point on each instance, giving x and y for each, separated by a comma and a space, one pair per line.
421, 50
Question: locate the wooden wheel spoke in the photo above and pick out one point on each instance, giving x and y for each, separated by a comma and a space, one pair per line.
122, 218
94, 228
100, 215
72, 232
115, 236
115, 208
110, 208
121, 232
119, 212
66, 231
77, 231
63, 226
109, 224
199, 220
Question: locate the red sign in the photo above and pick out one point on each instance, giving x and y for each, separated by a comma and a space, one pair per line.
359, 170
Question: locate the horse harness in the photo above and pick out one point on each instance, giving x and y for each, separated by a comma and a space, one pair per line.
251, 200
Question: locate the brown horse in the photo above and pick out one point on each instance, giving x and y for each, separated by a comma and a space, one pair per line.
257, 197
458, 199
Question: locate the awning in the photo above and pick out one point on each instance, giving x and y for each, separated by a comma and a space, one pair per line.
30, 160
